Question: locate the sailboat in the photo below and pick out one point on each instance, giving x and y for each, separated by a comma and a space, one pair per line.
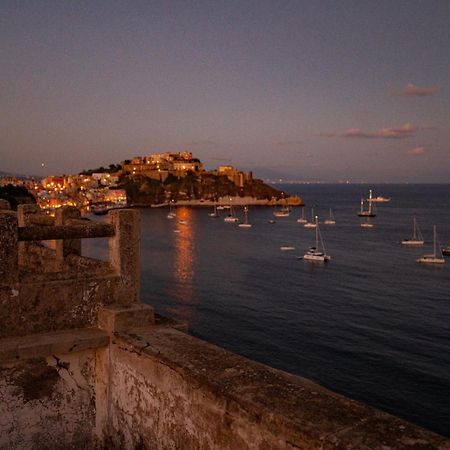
331, 220
370, 212
172, 214
245, 224
284, 211
231, 217
314, 254
215, 212
417, 238
433, 258
311, 224
367, 223
302, 219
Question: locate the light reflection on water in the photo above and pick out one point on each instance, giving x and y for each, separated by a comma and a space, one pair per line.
184, 264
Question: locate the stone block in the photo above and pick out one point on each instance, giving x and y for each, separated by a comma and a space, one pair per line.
116, 318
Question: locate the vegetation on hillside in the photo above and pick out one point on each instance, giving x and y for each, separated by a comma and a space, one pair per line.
16, 195
144, 190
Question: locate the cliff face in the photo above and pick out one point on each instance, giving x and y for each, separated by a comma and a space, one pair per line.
199, 189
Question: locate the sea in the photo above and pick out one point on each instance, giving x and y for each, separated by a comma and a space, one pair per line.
372, 323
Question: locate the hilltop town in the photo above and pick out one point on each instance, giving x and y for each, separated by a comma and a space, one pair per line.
152, 180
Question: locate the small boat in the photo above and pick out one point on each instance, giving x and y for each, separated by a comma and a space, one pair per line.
182, 222
314, 254
432, 258
446, 251
221, 207
284, 211
231, 217
380, 199
286, 248
214, 213
172, 214
330, 220
271, 221
313, 223
370, 212
417, 238
245, 224
367, 223
302, 219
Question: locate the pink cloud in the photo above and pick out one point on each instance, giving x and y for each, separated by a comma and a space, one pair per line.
416, 151
411, 90
404, 131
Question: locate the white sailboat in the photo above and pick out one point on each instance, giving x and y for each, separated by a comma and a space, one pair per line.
432, 258
314, 254
215, 212
367, 223
313, 223
302, 218
417, 238
284, 211
231, 217
172, 214
370, 212
245, 224
331, 220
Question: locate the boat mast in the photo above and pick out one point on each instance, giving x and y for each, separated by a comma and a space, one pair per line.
317, 234
362, 205
434, 241
370, 201
414, 230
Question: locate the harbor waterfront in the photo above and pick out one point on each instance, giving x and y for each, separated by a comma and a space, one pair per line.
372, 323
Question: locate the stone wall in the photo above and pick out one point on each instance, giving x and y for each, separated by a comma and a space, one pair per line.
169, 390
84, 365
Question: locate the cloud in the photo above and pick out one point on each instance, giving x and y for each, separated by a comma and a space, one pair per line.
416, 151
411, 90
405, 131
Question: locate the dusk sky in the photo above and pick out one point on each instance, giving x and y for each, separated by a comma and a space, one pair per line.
310, 90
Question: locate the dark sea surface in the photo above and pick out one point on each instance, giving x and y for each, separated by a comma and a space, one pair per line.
372, 324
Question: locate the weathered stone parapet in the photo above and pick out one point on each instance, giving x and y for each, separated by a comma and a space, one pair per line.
65, 247
9, 256
171, 390
124, 252
43, 290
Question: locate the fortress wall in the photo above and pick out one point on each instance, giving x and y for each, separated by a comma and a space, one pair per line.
170, 390
48, 402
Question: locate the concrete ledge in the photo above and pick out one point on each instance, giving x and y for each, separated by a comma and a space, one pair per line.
270, 408
46, 344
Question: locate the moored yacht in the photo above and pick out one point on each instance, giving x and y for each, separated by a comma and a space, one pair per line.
417, 238
432, 258
315, 254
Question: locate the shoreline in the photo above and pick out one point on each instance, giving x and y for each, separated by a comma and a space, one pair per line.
227, 201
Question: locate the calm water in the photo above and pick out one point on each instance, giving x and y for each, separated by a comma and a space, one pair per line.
372, 323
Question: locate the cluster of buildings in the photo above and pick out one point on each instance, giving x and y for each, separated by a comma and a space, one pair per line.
81, 191
159, 166
85, 190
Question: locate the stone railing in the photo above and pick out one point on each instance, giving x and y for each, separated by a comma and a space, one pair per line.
43, 289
